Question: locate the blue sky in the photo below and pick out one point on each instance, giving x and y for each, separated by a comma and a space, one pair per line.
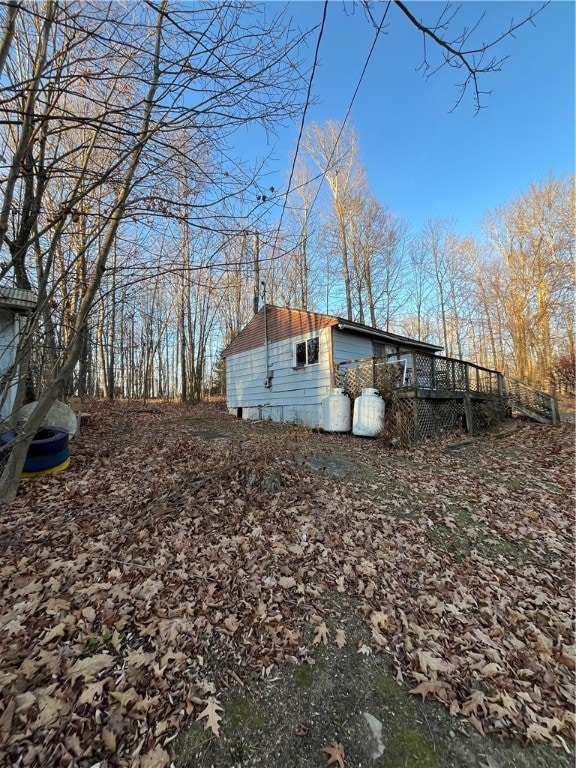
422, 160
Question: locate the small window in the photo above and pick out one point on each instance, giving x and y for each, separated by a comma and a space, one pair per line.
301, 354
312, 349
307, 352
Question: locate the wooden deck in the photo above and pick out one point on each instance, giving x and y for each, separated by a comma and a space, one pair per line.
437, 393
420, 374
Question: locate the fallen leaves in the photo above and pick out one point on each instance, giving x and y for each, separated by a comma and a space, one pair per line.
90, 667
335, 752
340, 638
211, 713
125, 586
321, 634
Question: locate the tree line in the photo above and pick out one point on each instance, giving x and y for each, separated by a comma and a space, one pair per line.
149, 243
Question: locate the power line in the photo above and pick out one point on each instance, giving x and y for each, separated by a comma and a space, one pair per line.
352, 100
322, 174
302, 122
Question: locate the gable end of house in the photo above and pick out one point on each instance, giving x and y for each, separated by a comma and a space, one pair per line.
276, 324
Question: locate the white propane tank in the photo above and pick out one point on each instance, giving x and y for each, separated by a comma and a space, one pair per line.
368, 414
336, 412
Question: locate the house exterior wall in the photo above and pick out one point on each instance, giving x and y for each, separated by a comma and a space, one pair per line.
9, 330
296, 393
349, 346
266, 383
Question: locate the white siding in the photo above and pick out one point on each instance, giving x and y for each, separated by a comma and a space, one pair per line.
348, 346
9, 326
296, 394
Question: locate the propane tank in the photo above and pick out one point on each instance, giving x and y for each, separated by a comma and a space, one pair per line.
336, 412
368, 414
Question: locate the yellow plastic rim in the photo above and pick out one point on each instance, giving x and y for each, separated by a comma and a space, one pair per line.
51, 471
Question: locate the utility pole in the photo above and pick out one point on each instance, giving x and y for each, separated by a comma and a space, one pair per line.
256, 271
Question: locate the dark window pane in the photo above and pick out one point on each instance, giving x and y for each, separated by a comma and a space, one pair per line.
301, 353
313, 349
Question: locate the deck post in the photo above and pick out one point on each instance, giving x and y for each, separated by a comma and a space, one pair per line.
467, 376
500, 384
468, 414
555, 411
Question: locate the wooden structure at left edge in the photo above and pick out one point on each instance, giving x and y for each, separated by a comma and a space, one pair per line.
15, 305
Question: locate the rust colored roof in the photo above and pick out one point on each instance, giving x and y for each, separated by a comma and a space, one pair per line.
282, 323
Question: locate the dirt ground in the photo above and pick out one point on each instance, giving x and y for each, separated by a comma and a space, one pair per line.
324, 578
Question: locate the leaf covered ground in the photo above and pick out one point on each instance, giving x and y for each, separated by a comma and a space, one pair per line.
186, 553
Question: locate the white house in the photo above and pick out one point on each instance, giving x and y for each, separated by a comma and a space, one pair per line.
15, 304
282, 365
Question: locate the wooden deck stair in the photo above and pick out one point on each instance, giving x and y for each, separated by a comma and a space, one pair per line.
538, 406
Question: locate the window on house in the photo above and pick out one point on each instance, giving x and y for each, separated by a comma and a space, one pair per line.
382, 350
312, 350
307, 352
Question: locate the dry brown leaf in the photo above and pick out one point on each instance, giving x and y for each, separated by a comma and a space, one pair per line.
364, 649
321, 634
477, 724
6, 721
28, 668
109, 739
432, 664
335, 752
231, 623
429, 686
380, 620
491, 670
211, 713
157, 758
89, 614
50, 708
475, 702
24, 701
538, 732
90, 691
139, 658
340, 638
91, 666
126, 698
58, 631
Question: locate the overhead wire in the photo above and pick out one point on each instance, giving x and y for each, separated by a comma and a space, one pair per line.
303, 121
322, 174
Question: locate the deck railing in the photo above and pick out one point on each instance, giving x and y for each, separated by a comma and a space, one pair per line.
418, 372
537, 405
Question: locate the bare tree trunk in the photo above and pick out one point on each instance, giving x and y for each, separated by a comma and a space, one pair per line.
10, 477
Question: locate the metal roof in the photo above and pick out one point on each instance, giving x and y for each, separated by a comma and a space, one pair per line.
17, 299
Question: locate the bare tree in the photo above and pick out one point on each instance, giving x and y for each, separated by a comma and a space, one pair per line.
532, 238
464, 48
173, 66
334, 150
